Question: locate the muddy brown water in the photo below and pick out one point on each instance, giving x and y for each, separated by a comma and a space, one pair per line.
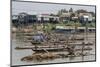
18, 54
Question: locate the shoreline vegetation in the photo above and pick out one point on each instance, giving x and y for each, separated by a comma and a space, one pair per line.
49, 26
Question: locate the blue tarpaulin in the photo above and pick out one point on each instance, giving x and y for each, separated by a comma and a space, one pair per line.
39, 37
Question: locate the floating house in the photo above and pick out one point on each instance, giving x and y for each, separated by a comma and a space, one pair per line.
85, 17
43, 18
15, 19
65, 17
69, 29
26, 18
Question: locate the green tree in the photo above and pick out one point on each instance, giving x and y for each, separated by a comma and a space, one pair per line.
81, 11
71, 10
62, 11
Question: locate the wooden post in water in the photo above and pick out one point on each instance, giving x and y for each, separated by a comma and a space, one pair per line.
86, 28
82, 53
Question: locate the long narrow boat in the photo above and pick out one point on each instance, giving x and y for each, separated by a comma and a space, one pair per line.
58, 49
50, 49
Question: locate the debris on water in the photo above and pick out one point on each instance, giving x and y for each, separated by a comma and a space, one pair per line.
39, 57
27, 58
48, 56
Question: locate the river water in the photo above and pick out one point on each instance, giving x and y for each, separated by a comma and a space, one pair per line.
18, 54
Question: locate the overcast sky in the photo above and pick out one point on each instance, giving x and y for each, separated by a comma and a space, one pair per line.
44, 8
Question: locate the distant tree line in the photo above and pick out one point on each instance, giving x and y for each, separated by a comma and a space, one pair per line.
77, 11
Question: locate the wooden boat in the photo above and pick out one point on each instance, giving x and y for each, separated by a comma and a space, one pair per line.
49, 49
